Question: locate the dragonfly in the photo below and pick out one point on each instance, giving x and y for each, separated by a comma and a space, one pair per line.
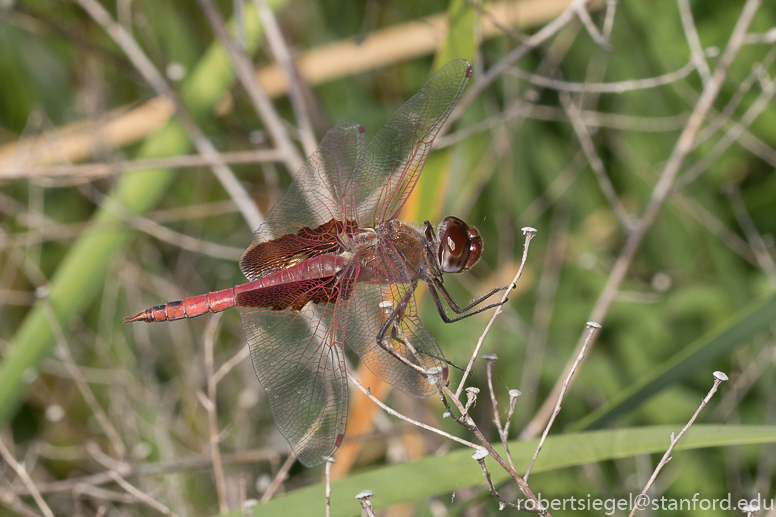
332, 266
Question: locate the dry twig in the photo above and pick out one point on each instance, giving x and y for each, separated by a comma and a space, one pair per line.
21, 471
210, 405
256, 93
592, 327
529, 234
719, 378
279, 478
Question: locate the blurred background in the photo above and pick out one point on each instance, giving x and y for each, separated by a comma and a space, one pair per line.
638, 138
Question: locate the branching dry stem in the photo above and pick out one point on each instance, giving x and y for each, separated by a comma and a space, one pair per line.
719, 378
529, 234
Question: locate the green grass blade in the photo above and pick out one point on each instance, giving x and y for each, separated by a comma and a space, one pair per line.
431, 476
460, 42
754, 318
427, 199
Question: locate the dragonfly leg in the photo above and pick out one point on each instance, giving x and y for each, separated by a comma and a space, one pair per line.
396, 337
436, 287
429, 231
396, 334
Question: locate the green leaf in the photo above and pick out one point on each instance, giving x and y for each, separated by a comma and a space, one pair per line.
460, 41
754, 318
431, 476
432, 184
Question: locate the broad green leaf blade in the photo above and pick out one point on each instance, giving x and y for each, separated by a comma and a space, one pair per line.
460, 42
755, 317
417, 480
426, 201
80, 276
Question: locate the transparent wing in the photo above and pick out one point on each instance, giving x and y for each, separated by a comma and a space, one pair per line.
408, 357
397, 153
298, 358
315, 197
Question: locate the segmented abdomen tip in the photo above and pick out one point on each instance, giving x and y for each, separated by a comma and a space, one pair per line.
140, 316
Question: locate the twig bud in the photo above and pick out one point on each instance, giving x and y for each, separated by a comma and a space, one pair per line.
720, 376
471, 395
480, 454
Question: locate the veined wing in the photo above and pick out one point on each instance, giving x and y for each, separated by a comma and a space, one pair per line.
397, 153
298, 358
408, 356
303, 223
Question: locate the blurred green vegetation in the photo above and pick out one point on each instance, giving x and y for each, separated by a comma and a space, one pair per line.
695, 277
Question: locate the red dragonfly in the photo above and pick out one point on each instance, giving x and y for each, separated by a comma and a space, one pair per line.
332, 266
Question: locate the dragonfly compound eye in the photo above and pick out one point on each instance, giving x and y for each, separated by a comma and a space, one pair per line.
475, 247
454, 245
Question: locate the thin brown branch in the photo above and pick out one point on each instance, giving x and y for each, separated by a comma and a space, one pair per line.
592, 30
400, 416
715, 226
599, 169
365, 502
756, 241
764, 38
538, 38
526, 109
152, 469
480, 456
256, 93
104, 494
140, 495
466, 421
212, 414
592, 327
59, 232
14, 503
614, 87
279, 478
236, 359
717, 120
734, 132
164, 234
687, 204
283, 58
21, 471
63, 351
93, 171
502, 430
691, 33
327, 476
745, 381
547, 288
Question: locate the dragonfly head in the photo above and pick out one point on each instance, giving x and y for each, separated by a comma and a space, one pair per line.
460, 246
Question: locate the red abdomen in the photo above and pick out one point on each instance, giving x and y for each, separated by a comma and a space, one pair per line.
311, 280
187, 308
